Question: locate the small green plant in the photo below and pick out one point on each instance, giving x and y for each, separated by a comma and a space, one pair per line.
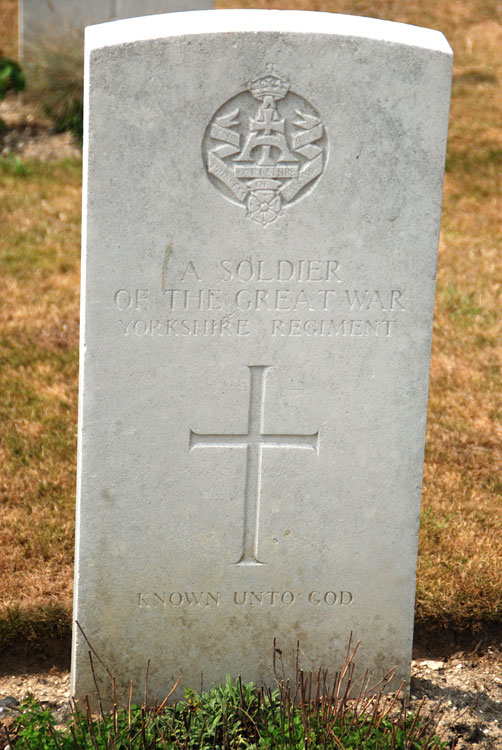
228, 717
71, 119
11, 79
13, 165
35, 727
311, 714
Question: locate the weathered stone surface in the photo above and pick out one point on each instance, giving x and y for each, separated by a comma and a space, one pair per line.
261, 217
50, 19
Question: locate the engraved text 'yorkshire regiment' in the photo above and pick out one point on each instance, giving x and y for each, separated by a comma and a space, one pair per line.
268, 155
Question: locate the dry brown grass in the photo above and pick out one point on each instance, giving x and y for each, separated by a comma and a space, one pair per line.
460, 562
39, 279
8, 28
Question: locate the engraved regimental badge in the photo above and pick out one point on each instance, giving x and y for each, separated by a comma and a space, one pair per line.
265, 148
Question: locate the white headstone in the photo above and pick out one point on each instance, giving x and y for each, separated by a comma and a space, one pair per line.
48, 20
261, 218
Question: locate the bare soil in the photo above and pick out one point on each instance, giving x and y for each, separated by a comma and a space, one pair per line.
470, 691
29, 134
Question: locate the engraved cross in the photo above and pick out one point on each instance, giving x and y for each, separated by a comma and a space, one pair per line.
254, 440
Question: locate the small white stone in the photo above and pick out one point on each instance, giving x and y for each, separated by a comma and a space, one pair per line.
433, 665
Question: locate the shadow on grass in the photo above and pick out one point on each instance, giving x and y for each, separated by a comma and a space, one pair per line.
34, 640
434, 640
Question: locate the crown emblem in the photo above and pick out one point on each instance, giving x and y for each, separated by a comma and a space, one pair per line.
271, 83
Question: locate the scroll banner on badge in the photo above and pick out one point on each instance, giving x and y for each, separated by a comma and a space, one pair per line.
220, 131
302, 144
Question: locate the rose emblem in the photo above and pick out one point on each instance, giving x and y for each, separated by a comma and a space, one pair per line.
264, 206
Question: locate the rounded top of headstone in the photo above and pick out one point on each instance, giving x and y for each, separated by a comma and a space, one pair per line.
286, 21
